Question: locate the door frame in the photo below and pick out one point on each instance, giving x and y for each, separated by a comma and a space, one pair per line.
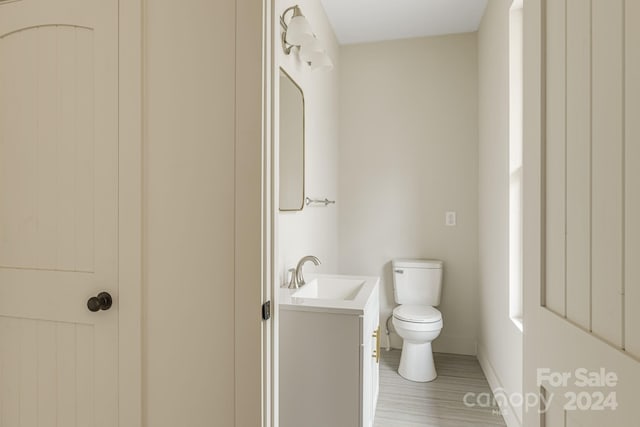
130, 212
270, 334
254, 201
533, 203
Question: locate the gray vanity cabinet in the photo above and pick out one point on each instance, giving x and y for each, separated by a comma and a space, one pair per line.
328, 366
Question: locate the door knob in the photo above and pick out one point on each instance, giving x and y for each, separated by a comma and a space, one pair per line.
101, 302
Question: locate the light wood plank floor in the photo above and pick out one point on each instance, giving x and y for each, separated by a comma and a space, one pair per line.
439, 403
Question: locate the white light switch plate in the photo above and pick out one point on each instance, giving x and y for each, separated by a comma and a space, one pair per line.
450, 219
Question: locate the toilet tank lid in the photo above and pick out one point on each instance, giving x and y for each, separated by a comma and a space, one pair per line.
417, 263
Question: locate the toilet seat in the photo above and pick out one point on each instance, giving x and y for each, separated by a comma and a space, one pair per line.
417, 314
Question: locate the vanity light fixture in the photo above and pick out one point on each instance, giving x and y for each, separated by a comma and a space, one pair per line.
298, 34
297, 31
322, 63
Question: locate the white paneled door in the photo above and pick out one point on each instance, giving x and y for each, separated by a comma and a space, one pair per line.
582, 213
58, 212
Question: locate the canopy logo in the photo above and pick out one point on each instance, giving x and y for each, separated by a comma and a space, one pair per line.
588, 391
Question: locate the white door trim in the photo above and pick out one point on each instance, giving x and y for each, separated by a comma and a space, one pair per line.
269, 391
130, 212
253, 206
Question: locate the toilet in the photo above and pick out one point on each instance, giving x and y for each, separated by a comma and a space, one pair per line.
417, 286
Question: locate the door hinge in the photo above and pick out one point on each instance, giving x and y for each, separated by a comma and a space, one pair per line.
266, 310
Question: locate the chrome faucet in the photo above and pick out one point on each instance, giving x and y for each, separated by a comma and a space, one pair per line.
297, 279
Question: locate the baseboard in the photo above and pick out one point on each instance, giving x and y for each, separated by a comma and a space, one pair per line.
508, 413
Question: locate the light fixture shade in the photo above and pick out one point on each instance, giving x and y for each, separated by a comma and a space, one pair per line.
322, 63
311, 50
298, 31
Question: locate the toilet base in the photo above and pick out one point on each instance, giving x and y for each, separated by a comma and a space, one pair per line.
416, 362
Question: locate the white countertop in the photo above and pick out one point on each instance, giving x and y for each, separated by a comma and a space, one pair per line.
354, 306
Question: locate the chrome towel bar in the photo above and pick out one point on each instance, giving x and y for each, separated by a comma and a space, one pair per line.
308, 201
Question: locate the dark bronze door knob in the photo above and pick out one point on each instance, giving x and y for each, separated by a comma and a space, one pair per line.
101, 302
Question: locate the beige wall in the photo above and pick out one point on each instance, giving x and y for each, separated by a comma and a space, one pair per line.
500, 341
408, 153
313, 231
201, 212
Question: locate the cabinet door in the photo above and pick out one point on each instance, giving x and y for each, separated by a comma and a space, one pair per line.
370, 360
366, 367
376, 345
375, 362
320, 368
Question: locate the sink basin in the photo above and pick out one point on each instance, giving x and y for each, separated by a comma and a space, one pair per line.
330, 293
330, 288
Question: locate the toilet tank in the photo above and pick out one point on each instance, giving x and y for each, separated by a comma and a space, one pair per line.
417, 281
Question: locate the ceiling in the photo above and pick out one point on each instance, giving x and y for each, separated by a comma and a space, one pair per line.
361, 21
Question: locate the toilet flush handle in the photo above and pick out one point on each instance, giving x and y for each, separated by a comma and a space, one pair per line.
399, 271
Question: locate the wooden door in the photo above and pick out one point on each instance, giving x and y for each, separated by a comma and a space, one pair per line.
58, 212
582, 212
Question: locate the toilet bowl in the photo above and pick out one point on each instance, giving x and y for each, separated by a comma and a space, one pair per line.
418, 326
417, 287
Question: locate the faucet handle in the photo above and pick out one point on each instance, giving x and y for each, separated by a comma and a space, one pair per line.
292, 278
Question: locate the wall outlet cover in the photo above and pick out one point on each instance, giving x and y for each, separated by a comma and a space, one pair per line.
450, 219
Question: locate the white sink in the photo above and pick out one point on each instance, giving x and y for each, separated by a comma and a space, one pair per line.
330, 294
330, 288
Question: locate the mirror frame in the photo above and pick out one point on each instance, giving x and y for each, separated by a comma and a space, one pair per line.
304, 143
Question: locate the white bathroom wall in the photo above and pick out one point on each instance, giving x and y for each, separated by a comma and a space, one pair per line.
408, 153
499, 340
314, 230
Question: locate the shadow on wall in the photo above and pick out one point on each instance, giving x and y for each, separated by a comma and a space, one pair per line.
386, 284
